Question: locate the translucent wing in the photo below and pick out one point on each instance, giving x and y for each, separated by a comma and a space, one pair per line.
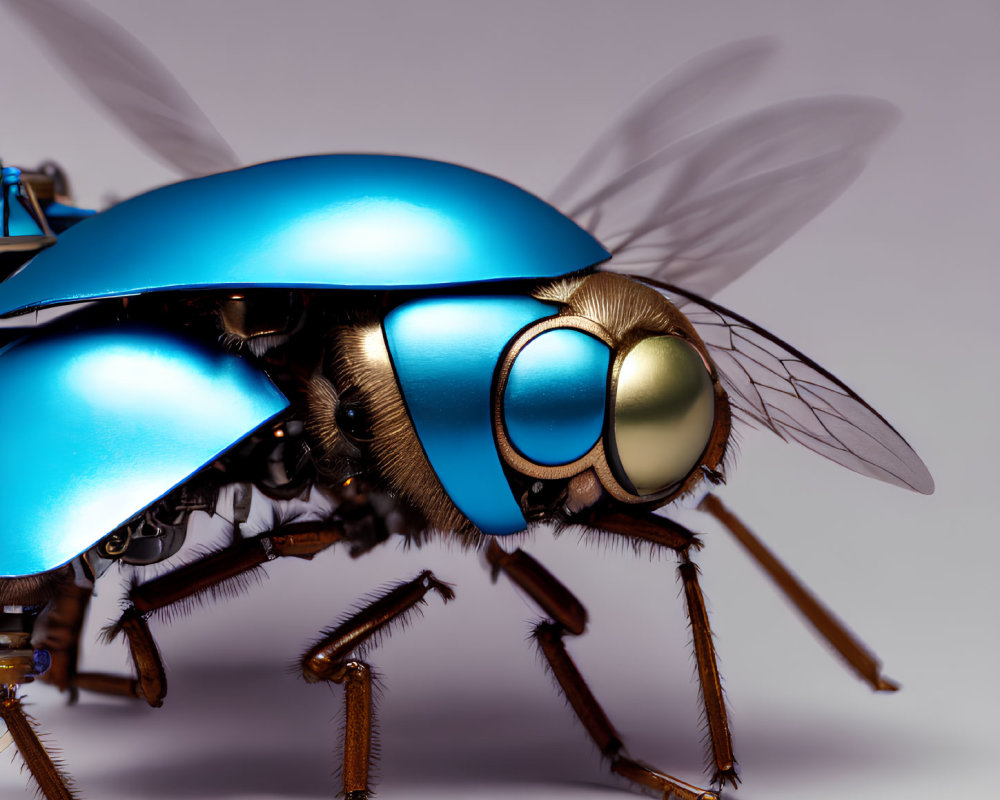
127, 80
685, 101
772, 385
696, 206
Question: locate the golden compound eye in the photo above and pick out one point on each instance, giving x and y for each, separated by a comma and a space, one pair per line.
664, 409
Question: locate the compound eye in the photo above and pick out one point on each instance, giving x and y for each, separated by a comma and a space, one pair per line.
664, 411
352, 417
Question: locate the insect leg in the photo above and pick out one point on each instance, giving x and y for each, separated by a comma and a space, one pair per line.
198, 579
58, 630
152, 677
207, 575
649, 528
708, 676
330, 659
858, 657
567, 615
52, 783
640, 528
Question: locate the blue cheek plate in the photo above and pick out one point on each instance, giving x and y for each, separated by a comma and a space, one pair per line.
445, 351
101, 424
555, 396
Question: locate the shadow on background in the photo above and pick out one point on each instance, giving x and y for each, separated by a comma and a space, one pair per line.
259, 731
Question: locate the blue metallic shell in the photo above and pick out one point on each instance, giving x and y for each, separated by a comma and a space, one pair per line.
60, 216
555, 396
100, 424
445, 351
333, 221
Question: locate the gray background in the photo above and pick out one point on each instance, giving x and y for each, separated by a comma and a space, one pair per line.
893, 289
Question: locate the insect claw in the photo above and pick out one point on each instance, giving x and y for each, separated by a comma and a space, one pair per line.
715, 477
724, 776
442, 588
886, 685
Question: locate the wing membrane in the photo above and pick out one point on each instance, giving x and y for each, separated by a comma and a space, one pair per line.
699, 206
678, 105
128, 81
772, 385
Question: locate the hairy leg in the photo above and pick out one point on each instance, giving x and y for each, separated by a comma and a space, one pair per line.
332, 659
566, 615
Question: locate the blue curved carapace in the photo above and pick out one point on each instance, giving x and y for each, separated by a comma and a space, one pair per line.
333, 221
100, 424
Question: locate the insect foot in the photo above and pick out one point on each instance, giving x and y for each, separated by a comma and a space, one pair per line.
645, 775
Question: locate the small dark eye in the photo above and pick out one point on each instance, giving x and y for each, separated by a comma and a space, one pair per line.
352, 417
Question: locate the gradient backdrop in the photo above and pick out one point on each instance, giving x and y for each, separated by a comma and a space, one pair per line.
893, 289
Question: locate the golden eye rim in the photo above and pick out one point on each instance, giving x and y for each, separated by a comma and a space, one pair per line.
598, 458
508, 450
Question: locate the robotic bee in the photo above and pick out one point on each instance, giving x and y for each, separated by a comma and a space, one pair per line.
403, 348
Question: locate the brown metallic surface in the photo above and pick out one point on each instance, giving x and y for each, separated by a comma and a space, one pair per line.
52, 784
301, 541
106, 683
858, 657
323, 660
146, 656
642, 526
551, 596
708, 676
358, 727
651, 778
580, 698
